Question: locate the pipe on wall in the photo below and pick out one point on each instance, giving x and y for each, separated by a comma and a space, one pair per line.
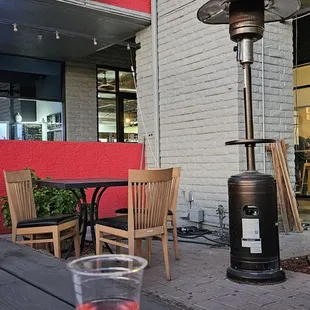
155, 83
263, 103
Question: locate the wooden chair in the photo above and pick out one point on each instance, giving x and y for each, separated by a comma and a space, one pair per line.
24, 217
305, 172
148, 202
171, 215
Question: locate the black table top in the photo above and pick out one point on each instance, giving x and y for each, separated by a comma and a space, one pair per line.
32, 280
82, 183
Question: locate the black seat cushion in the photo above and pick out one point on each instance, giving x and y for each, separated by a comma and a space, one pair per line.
125, 211
47, 221
122, 211
119, 222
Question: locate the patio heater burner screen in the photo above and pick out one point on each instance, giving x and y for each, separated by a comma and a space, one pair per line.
252, 195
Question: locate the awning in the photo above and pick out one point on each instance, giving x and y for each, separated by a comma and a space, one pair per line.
64, 30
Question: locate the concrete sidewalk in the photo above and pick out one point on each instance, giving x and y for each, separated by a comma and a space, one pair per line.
199, 282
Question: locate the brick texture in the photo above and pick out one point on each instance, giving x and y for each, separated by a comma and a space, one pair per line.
81, 94
201, 101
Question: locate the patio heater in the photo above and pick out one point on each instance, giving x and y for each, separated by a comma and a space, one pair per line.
253, 216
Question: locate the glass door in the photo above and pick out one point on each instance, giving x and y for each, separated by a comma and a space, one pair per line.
117, 106
130, 122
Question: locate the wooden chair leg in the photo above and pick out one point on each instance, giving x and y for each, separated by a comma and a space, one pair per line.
303, 179
14, 235
139, 247
175, 239
131, 246
76, 240
149, 250
118, 248
164, 239
56, 242
31, 238
99, 245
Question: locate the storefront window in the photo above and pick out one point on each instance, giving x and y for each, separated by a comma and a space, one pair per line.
126, 82
107, 117
106, 80
30, 99
117, 106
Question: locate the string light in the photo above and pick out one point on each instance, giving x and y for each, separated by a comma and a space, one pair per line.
64, 34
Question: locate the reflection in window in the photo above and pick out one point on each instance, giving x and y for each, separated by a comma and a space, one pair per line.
24, 119
126, 82
106, 80
107, 117
130, 120
302, 146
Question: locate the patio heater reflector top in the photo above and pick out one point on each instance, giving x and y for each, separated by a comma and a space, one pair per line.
218, 11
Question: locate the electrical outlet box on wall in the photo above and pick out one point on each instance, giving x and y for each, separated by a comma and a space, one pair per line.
196, 216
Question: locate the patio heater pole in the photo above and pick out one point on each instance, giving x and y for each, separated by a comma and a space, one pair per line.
246, 61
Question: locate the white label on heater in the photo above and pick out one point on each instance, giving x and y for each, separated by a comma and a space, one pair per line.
254, 245
250, 229
251, 235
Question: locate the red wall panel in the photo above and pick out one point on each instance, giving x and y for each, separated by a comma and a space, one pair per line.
73, 160
136, 5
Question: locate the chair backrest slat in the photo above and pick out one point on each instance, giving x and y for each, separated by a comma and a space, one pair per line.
176, 174
148, 198
20, 195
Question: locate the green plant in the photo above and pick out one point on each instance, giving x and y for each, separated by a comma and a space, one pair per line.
48, 200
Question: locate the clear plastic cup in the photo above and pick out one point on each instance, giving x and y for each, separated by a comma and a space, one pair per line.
108, 282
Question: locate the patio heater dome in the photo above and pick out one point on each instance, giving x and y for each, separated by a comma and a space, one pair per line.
253, 216
247, 17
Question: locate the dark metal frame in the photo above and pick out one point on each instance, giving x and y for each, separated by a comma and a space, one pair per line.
120, 96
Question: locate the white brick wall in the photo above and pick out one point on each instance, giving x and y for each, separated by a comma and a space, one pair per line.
80, 91
201, 104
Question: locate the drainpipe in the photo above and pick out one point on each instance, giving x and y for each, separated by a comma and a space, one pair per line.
263, 102
155, 83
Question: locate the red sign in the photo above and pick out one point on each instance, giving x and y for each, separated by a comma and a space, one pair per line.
136, 5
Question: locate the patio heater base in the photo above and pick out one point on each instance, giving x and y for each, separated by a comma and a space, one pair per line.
257, 277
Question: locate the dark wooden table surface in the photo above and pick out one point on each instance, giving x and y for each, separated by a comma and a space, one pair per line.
82, 183
33, 280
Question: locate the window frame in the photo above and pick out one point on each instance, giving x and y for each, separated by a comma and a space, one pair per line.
120, 96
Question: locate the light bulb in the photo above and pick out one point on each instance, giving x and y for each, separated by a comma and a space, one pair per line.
95, 41
57, 35
15, 29
127, 120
